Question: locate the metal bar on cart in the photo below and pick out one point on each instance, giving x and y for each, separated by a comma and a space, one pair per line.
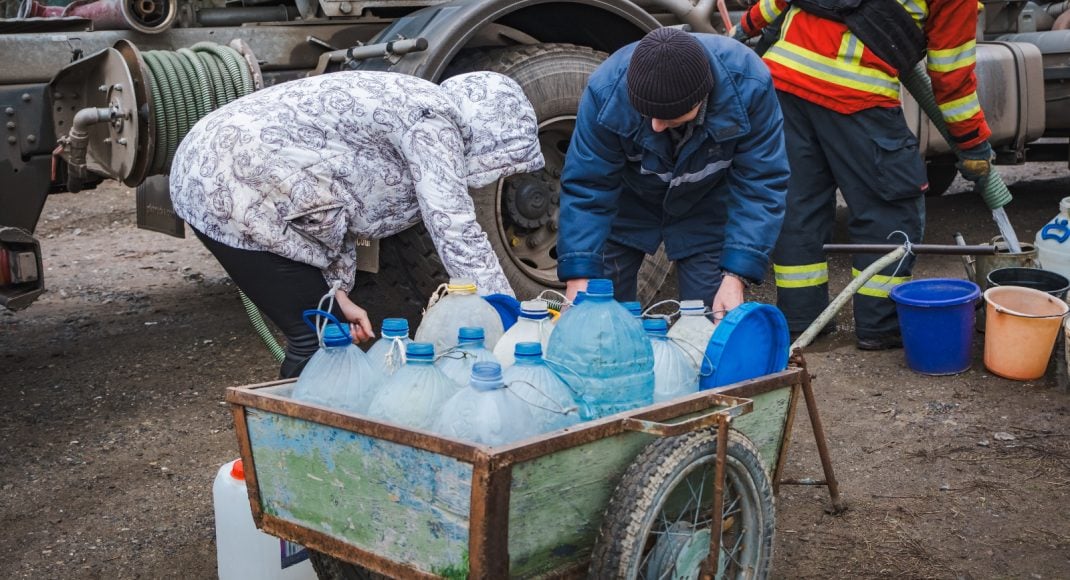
822, 444
710, 564
941, 249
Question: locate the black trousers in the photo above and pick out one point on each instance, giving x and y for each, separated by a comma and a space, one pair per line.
282, 289
699, 276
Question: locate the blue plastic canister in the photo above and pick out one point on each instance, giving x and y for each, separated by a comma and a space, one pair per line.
936, 317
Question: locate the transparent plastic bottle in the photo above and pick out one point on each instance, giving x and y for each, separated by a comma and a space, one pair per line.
603, 354
388, 353
674, 373
634, 307
485, 411
533, 325
414, 395
694, 329
339, 374
552, 404
461, 306
456, 363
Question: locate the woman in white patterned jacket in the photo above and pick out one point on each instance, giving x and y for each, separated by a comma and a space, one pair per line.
281, 183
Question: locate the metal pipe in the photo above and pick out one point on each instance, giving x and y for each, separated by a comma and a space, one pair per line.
76, 143
392, 48
708, 570
940, 249
221, 17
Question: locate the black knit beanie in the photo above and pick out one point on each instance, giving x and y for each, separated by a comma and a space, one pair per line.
669, 74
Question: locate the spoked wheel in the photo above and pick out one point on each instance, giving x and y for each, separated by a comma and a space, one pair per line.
659, 522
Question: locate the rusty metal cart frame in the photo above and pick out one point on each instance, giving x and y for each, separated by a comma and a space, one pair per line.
492, 469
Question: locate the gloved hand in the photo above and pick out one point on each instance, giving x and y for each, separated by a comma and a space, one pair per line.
975, 163
737, 33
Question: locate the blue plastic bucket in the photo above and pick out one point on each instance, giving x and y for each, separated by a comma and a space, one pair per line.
936, 318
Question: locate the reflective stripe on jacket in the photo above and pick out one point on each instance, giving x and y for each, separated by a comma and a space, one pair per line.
821, 61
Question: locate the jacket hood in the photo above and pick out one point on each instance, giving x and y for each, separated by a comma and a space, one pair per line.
498, 125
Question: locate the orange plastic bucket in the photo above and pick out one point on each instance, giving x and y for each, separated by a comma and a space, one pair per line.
1020, 329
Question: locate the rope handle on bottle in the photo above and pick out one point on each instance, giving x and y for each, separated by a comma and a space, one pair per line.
453, 352
685, 346
559, 411
668, 317
312, 318
437, 295
559, 303
394, 362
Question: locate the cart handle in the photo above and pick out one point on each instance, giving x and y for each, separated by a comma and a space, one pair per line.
732, 407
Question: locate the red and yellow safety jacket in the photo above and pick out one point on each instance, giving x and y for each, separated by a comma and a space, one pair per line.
819, 60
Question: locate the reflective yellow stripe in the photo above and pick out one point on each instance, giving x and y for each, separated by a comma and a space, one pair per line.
879, 286
769, 10
961, 109
918, 9
803, 276
949, 59
850, 48
837, 72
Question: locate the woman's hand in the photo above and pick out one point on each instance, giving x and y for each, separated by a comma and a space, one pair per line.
360, 327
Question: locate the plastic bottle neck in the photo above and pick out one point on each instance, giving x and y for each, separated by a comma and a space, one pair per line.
470, 343
391, 335
419, 360
528, 360
658, 334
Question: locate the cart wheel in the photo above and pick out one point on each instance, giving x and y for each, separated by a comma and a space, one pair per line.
658, 523
331, 568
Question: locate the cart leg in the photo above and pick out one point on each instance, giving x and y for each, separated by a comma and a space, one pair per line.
822, 446
709, 567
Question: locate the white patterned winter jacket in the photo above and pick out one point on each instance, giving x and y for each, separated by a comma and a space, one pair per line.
305, 168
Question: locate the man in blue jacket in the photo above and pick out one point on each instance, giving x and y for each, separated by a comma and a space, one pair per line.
678, 140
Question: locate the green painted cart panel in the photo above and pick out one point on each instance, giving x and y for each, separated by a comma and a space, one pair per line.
400, 502
557, 501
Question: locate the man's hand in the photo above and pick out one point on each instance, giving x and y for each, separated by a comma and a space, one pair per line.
975, 163
360, 326
728, 297
574, 286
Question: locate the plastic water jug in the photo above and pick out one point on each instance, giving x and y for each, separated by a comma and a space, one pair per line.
242, 551
388, 353
694, 330
414, 395
339, 374
1053, 241
533, 325
485, 411
634, 307
552, 404
675, 374
600, 350
461, 306
456, 363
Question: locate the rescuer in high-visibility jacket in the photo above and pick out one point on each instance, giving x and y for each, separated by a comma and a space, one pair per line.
844, 128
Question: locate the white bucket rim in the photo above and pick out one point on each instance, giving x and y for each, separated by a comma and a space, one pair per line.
1038, 293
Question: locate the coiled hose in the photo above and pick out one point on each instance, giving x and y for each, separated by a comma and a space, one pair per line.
188, 84
917, 82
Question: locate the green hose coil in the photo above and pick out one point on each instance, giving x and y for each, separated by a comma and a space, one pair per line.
918, 83
261, 327
188, 84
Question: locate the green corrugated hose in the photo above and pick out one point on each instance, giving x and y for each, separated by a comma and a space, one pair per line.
917, 82
186, 85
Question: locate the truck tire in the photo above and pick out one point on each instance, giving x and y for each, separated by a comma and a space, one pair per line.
520, 213
409, 272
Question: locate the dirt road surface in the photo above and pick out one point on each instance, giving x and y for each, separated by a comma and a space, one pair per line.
113, 423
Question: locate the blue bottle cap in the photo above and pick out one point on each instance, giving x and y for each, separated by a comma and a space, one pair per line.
420, 350
486, 376
656, 326
600, 287
335, 336
580, 297
395, 327
528, 349
470, 334
634, 307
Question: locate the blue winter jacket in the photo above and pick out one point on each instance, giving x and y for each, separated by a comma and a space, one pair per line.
725, 191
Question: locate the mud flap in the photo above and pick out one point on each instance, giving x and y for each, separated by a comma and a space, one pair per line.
154, 210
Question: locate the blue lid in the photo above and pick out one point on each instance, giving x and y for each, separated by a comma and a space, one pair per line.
486, 376
508, 308
337, 335
750, 342
528, 349
600, 287
936, 292
420, 350
534, 309
580, 297
470, 334
655, 326
634, 307
395, 327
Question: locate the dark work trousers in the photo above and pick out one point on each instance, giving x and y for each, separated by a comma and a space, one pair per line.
699, 276
872, 157
282, 289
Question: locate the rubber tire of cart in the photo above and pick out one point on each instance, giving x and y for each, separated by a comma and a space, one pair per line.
328, 568
554, 77
941, 175
651, 479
